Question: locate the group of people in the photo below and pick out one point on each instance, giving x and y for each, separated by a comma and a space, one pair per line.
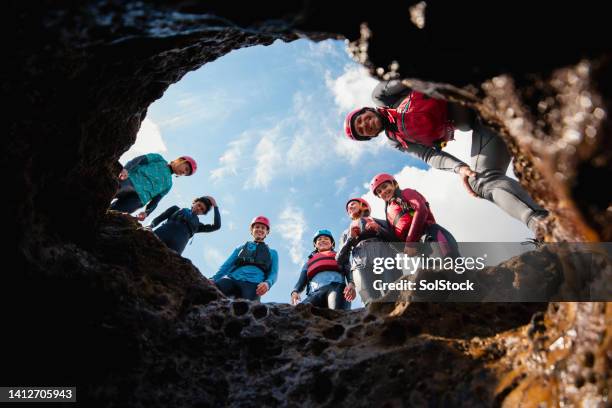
413, 123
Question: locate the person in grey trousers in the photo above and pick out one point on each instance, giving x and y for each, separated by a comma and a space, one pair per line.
422, 126
366, 239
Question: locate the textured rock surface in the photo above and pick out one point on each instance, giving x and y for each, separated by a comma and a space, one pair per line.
89, 299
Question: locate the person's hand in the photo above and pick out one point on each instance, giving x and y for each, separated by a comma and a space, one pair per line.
213, 202
123, 175
141, 216
355, 231
465, 173
262, 288
212, 282
295, 298
372, 226
410, 250
349, 292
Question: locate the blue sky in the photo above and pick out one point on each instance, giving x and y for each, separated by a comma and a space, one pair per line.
265, 126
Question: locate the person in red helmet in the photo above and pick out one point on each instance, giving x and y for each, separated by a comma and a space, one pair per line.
410, 217
252, 269
145, 179
366, 238
422, 126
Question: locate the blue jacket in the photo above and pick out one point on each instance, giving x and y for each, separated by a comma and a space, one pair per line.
248, 273
189, 219
152, 178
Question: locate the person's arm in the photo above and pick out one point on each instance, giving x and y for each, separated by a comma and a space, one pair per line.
421, 210
436, 158
346, 244
163, 216
135, 162
390, 93
153, 204
227, 266
302, 280
384, 231
272, 276
211, 227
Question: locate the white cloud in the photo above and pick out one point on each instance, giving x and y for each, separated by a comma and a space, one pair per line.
148, 140
468, 219
340, 184
292, 228
214, 258
231, 160
268, 159
352, 89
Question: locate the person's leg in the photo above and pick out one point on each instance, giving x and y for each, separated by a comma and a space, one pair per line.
127, 199
335, 296
317, 298
490, 159
442, 243
247, 290
127, 203
227, 286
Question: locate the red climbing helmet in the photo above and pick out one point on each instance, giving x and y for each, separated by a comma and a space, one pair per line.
378, 180
349, 125
261, 220
358, 199
192, 163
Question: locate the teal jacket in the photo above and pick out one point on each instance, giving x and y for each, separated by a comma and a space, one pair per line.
151, 177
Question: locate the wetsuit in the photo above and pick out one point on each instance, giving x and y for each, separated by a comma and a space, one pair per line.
412, 221
358, 255
490, 157
181, 224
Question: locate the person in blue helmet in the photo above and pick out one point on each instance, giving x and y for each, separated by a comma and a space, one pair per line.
252, 269
324, 278
182, 223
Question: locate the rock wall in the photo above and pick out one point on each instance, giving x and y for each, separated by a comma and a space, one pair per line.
83, 305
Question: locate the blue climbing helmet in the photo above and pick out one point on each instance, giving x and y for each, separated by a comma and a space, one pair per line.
326, 233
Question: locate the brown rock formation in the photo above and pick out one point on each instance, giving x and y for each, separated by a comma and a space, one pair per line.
83, 305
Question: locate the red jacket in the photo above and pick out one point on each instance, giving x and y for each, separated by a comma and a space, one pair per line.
408, 214
419, 119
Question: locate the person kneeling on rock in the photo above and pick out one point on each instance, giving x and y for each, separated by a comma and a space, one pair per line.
324, 277
182, 223
251, 270
411, 219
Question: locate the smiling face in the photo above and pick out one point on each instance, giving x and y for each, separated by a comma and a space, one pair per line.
354, 209
368, 124
181, 168
385, 191
259, 231
323, 243
198, 208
